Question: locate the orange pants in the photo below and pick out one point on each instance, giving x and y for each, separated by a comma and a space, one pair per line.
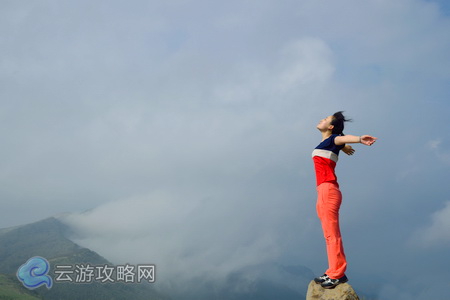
328, 203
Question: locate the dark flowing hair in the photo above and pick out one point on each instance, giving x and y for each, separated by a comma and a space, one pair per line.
338, 123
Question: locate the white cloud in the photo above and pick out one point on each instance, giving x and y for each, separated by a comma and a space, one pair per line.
307, 61
188, 239
434, 144
439, 150
438, 232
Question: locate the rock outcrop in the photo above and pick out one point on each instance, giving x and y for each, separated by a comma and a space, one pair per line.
343, 291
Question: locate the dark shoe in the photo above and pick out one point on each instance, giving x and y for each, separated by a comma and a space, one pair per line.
321, 279
332, 283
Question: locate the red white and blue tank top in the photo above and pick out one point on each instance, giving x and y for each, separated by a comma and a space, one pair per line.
325, 157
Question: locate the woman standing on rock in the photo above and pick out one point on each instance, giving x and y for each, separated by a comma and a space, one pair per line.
325, 157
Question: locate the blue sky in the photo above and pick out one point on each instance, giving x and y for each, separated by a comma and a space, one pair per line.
190, 124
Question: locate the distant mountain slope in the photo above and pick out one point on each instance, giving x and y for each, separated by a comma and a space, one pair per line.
10, 288
44, 238
47, 239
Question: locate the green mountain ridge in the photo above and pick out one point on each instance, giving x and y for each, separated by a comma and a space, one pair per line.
47, 238
11, 289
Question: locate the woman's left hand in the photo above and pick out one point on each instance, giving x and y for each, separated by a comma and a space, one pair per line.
348, 150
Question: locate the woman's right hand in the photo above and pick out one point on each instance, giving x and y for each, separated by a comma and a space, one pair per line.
368, 140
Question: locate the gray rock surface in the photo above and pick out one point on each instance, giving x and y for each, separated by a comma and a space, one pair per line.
343, 291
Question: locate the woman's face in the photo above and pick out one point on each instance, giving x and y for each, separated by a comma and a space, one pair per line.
325, 124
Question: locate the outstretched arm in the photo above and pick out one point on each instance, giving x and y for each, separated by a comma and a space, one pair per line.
352, 139
348, 150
